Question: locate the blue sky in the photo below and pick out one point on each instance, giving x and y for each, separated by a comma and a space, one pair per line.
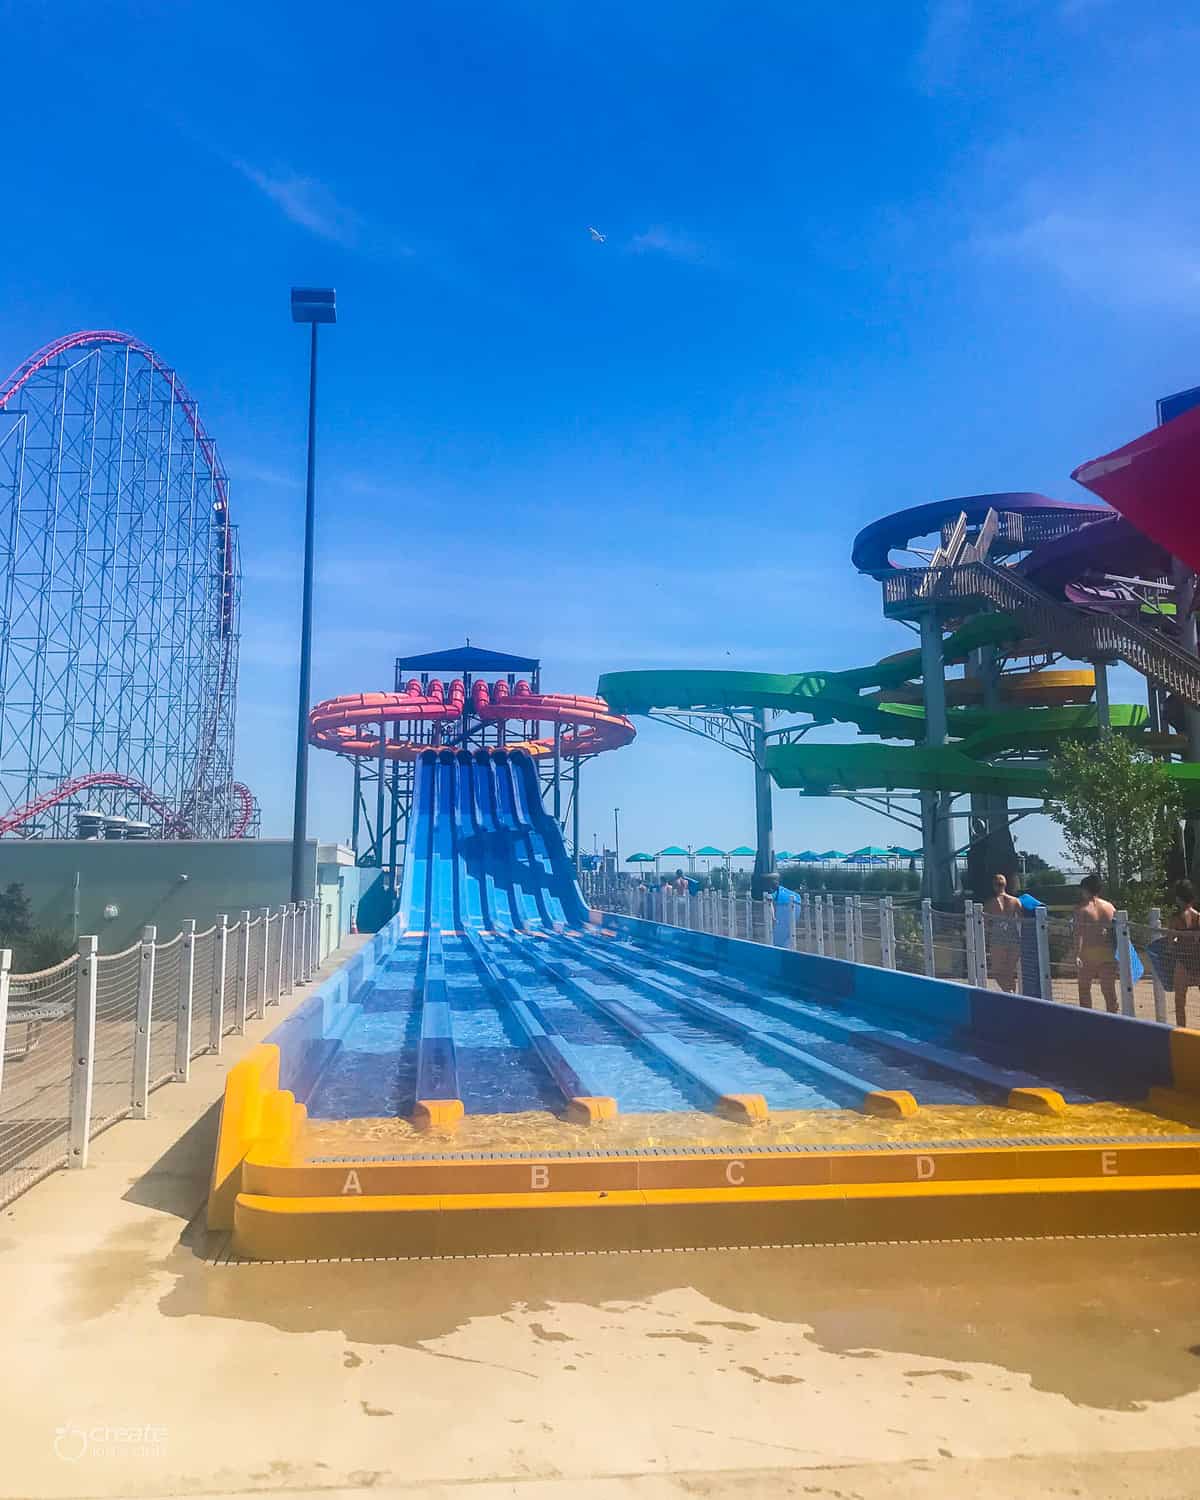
856, 258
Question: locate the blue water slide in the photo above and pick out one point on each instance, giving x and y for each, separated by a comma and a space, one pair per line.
514, 844
469, 869
534, 845
497, 881
564, 888
443, 899
415, 890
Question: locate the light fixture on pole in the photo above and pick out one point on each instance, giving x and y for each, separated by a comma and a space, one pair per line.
311, 305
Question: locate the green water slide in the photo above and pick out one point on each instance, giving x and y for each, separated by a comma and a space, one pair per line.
848, 698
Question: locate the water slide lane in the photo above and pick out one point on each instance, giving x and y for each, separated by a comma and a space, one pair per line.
976, 1079
414, 892
468, 847
443, 901
869, 1095
513, 845
539, 865
497, 886
704, 1077
584, 1100
568, 898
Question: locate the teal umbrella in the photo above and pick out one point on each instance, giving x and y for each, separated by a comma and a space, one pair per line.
674, 851
710, 851
742, 851
870, 851
639, 859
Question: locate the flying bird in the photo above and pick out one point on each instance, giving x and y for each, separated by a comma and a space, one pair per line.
596, 235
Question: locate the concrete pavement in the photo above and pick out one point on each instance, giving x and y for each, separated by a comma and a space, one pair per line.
139, 1365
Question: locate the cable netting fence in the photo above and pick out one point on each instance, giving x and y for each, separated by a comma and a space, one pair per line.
35, 1087
86, 1040
204, 955
116, 1027
164, 1009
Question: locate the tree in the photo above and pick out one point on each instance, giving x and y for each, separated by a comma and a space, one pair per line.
16, 914
1119, 814
32, 947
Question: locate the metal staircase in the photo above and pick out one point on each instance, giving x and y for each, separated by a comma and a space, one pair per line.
1082, 634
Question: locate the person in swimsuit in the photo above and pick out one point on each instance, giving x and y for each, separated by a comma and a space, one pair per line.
1004, 934
1187, 949
1095, 950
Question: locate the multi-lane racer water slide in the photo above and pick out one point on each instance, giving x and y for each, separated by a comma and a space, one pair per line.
1017, 581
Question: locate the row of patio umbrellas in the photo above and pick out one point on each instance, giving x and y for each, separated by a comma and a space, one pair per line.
869, 854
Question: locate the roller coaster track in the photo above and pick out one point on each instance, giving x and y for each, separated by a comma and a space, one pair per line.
173, 826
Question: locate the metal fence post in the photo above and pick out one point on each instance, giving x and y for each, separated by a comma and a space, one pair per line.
83, 1056
216, 1011
851, 933
5, 966
243, 973
969, 944
306, 918
279, 974
687, 908
262, 999
817, 921
1160, 994
791, 942
860, 947
1041, 931
887, 932
1124, 962
141, 1035
981, 963
927, 937
183, 1015
831, 926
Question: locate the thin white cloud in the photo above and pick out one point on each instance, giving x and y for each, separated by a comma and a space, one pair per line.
943, 45
1122, 258
673, 243
307, 202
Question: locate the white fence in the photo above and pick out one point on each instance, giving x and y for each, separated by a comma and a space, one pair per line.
1137, 970
87, 1041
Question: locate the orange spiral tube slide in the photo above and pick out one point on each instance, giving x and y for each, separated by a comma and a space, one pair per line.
349, 725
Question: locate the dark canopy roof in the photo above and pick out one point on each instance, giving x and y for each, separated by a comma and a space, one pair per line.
467, 659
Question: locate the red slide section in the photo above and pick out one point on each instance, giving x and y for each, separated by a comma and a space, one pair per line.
172, 826
1154, 481
350, 725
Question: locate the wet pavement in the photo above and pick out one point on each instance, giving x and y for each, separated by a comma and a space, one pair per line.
141, 1365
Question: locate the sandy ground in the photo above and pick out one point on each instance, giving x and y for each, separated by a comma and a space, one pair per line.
138, 1366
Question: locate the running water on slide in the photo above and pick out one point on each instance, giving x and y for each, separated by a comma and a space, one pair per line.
483, 852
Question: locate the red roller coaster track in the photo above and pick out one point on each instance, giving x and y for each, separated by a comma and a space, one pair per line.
172, 826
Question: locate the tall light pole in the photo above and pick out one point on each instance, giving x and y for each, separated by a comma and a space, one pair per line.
617, 839
311, 305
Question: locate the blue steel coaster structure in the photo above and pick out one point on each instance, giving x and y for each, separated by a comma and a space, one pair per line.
119, 596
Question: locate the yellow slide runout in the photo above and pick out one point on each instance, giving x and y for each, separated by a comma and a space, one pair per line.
247, 1118
590, 1109
890, 1104
745, 1108
1037, 1101
1185, 1059
437, 1114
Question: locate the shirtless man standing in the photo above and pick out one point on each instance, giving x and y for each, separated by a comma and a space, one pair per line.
1004, 934
1095, 948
